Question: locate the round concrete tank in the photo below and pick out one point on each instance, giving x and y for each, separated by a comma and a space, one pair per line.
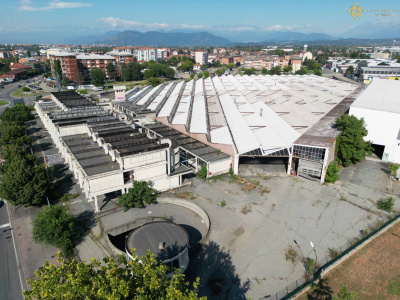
166, 240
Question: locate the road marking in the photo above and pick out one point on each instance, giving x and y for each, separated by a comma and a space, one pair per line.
5, 225
15, 250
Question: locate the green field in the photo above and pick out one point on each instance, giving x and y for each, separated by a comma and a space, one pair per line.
20, 93
2, 103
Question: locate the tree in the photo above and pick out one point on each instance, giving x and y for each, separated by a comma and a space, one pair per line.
264, 71
275, 70
98, 76
153, 81
321, 291
192, 75
139, 194
48, 65
28, 53
350, 70
186, 66
135, 71
169, 73
287, 69
231, 66
199, 75
301, 72
111, 70
125, 74
148, 74
109, 279
351, 145
5, 69
19, 114
332, 172
55, 226
57, 68
173, 61
220, 71
65, 81
206, 74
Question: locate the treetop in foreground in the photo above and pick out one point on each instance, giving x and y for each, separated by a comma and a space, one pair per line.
111, 278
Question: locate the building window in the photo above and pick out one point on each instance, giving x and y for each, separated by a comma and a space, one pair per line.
311, 153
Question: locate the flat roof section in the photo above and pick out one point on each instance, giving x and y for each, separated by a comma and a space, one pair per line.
90, 156
204, 151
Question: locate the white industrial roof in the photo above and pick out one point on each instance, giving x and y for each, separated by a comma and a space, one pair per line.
381, 94
263, 113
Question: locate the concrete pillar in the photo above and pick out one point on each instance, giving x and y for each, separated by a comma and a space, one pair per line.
325, 165
96, 205
289, 169
236, 165
123, 190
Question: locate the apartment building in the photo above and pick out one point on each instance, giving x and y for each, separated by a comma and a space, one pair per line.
258, 62
146, 53
86, 62
69, 65
122, 57
163, 53
201, 56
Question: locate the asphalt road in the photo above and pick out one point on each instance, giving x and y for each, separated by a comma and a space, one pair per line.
10, 275
5, 94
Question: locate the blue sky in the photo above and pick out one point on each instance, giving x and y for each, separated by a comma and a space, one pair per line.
228, 17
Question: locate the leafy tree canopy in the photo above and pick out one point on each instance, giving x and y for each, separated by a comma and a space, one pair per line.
110, 279
139, 194
111, 70
55, 226
98, 76
352, 147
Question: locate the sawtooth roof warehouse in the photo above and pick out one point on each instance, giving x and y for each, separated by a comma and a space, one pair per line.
164, 133
263, 117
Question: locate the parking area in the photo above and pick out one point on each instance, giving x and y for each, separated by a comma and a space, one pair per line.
263, 217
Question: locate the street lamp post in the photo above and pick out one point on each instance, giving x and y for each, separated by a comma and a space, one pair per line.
315, 252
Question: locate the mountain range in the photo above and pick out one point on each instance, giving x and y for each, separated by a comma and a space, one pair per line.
157, 38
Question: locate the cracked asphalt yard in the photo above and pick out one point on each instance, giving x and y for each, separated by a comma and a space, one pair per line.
257, 227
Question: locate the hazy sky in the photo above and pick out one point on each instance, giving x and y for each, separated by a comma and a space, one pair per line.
83, 17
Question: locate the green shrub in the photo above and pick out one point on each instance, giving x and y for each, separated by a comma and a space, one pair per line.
83, 92
223, 203
25, 89
386, 204
139, 194
203, 172
55, 226
332, 172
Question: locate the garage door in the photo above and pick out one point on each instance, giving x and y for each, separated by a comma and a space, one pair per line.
310, 169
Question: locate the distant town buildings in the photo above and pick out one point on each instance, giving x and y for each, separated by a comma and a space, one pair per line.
201, 56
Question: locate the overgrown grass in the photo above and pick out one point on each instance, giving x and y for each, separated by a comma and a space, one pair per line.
386, 204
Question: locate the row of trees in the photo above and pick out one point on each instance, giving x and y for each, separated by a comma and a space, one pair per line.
24, 182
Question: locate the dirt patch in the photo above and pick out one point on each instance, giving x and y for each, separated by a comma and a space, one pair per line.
373, 272
250, 186
238, 231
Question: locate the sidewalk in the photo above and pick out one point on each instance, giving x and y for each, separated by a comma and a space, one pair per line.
32, 254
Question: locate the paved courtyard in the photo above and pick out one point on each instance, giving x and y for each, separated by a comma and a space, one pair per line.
251, 234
